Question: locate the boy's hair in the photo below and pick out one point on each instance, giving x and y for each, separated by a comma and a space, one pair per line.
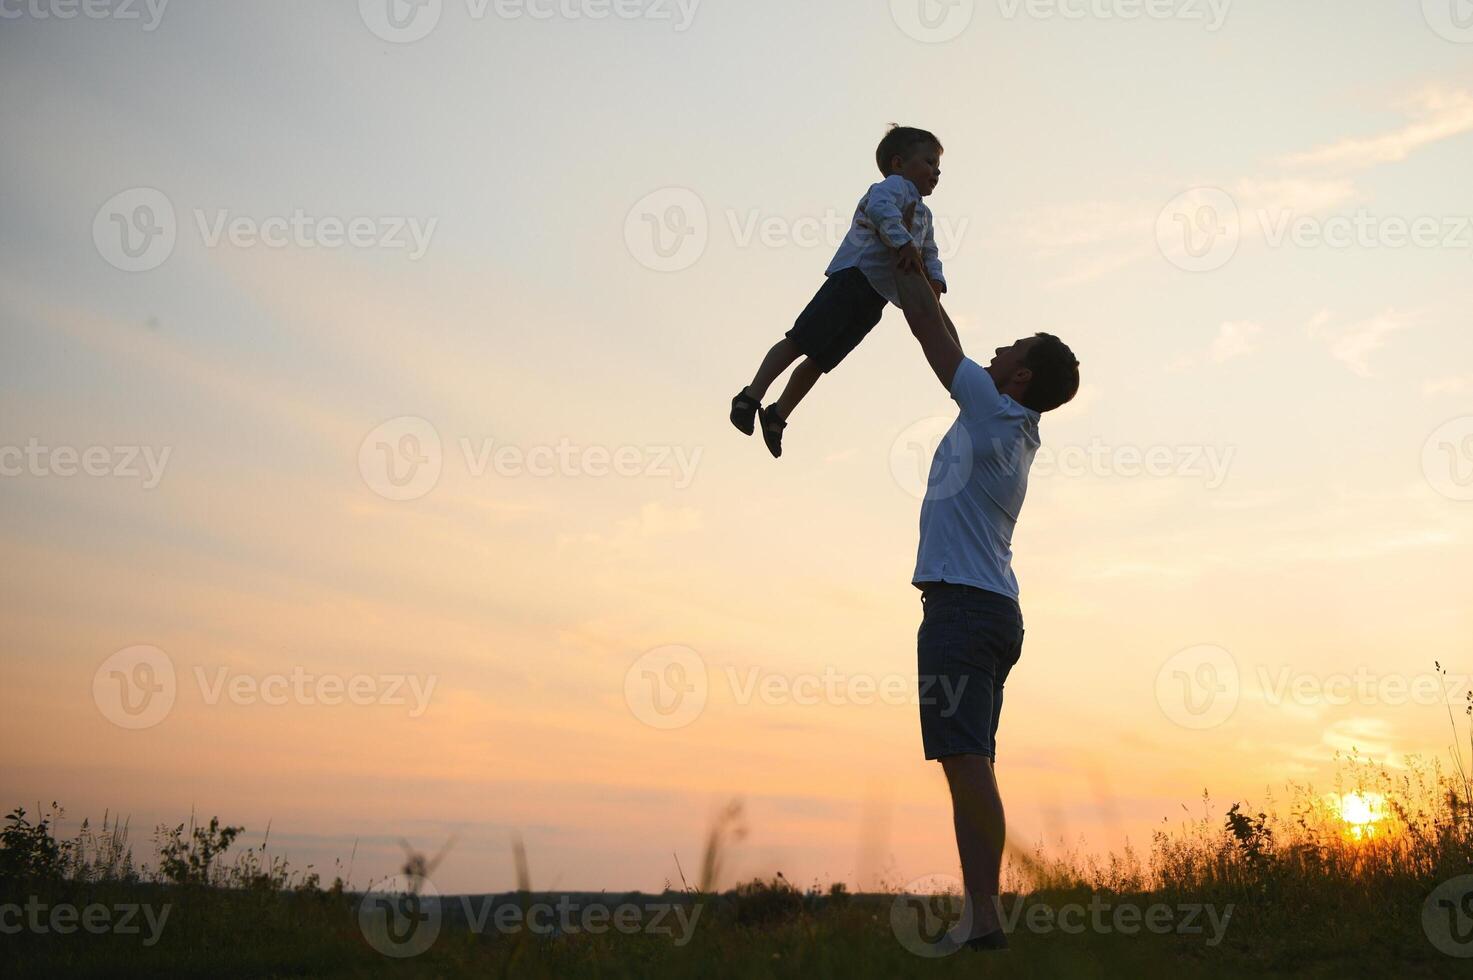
1055, 374
900, 141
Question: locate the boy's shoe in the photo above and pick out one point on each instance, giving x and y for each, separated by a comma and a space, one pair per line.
773, 425
743, 411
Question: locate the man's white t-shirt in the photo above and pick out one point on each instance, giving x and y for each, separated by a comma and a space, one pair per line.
978, 478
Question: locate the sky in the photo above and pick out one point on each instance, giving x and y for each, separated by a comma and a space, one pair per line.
363, 445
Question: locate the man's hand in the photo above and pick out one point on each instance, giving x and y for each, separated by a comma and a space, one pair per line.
930, 324
910, 260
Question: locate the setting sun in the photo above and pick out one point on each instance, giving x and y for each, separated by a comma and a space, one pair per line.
1362, 812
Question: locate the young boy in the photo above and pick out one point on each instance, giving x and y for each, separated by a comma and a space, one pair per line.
890, 220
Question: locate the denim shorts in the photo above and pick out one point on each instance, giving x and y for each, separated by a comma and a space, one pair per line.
968, 641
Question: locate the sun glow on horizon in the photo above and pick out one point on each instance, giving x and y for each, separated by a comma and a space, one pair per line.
1362, 812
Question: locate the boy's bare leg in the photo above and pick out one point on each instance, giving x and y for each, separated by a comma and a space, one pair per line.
782, 354
805, 376
978, 817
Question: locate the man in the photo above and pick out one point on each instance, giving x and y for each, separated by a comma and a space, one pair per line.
971, 632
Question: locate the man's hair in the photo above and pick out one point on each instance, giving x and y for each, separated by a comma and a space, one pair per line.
901, 141
1055, 373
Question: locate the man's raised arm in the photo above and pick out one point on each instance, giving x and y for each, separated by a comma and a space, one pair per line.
930, 325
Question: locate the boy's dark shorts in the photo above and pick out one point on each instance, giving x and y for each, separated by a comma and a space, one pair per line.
969, 640
843, 311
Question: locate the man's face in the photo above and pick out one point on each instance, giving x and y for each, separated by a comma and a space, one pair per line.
922, 168
1008, 361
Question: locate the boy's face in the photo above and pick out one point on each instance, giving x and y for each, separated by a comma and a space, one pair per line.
922, 168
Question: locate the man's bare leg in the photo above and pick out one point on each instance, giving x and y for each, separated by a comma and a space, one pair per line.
805, 376
782, 354
976, 806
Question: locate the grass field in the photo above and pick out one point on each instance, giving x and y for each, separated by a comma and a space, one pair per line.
1374, 878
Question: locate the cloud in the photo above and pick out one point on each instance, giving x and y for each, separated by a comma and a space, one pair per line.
1234, 339
654, 521
1447, 386
1439, 114
1354, 344
1297, 194
1106, 237
1095, 223
1371, 737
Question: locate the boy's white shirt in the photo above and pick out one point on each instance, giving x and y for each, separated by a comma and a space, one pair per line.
879, 228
